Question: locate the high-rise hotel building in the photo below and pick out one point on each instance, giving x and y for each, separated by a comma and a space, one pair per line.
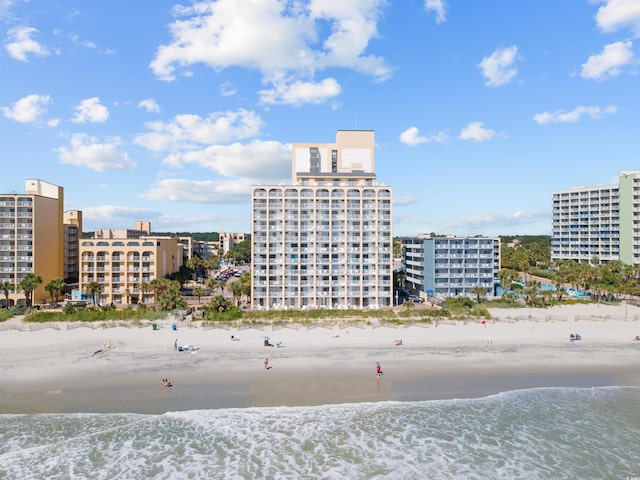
601, 222
31, 237
325, 241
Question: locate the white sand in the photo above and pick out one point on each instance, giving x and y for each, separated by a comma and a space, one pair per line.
317, 365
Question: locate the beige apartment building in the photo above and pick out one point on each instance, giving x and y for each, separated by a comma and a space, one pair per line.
325, 241
227, 240
31, 237
124, 261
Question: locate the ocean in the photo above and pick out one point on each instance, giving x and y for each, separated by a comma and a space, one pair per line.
541, 433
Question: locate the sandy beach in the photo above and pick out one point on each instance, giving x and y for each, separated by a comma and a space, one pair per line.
60, 370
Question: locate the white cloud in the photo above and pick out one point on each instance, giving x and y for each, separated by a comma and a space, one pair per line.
28, 109
494, 224
258, 159
89, 152
438, 7
19, 44
574, 115
90, 110
227, 90
476, 132
411, 136
404, 200
5, 8
616, 14
607, 64
298, 93
113, 216
200, 191
54, 122
286, 41
498, 68
187, 130
150, 105
84, 43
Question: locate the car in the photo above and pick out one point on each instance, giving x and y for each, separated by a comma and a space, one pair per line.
415, 299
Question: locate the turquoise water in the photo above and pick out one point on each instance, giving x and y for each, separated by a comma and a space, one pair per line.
543, 433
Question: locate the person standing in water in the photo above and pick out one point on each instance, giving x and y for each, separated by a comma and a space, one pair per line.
378, 369
266, 364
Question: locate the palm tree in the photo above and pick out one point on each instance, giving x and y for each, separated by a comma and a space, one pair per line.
6, 287
145, 287
478, 291
28, 284
157, 285
198, 291
94, 288
54, 287
212, 283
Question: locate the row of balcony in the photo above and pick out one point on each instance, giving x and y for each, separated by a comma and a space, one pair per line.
10, 202
5, 214
130, 281
90, 269
12, 226
133, 258
16, 269
452, 276
8, 236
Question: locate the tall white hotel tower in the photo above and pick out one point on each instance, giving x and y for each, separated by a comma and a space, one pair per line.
324, 241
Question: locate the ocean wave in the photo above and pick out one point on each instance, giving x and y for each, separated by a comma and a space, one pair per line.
534, 433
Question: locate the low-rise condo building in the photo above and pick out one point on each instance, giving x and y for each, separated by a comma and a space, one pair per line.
124, 262
452, 266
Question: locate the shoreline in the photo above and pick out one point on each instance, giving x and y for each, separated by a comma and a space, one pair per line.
59, 371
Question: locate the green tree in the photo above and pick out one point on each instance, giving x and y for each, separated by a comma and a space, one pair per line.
196, 264
220, 304
168, 295
199, 291
54, 287
241, 252
156, 285
28, 284
479, 292
6, 287
145, 287
182, 276
94, 288
212, 283
211, 264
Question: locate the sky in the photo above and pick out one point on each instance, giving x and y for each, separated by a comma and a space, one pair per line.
169, 111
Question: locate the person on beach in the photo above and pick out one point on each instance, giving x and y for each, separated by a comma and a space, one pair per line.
266, 364
378, 369
166, 383
234, 338
175, 345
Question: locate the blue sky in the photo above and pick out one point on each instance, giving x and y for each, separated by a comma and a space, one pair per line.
169, 111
